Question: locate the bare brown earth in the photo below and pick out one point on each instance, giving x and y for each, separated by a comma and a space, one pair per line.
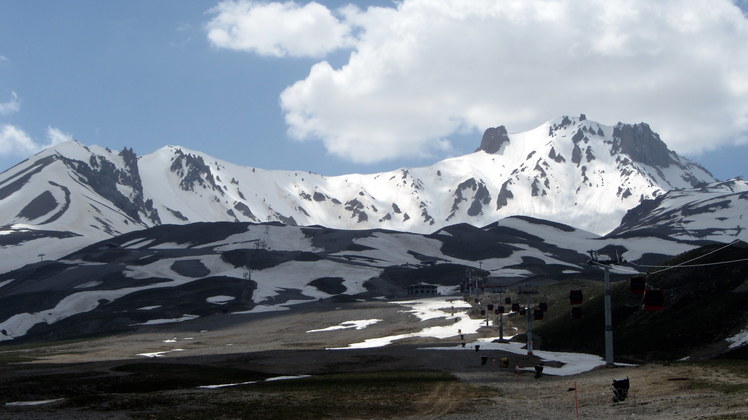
105, 378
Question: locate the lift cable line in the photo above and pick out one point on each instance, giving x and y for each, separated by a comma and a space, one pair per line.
689, 265
685, 263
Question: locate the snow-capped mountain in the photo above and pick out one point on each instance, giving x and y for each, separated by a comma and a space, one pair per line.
174, 273
570, 170
717, 211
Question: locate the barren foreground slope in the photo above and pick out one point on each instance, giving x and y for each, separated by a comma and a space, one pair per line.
284, 370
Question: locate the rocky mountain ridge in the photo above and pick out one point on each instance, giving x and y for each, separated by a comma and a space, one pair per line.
570, 170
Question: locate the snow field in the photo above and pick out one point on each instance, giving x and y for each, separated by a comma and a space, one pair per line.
425, 309
358, 324
298, 274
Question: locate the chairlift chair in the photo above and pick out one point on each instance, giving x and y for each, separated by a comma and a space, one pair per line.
515, 307
543, 306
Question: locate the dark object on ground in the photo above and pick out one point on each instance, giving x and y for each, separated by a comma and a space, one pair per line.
538, 371
620, 389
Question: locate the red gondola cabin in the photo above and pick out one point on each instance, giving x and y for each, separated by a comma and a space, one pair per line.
576, 312
654, 300
637, 285
575, 297
538, 314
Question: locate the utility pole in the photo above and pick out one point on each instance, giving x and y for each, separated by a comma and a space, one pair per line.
605, 264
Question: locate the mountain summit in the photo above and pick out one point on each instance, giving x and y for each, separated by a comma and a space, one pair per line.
569, 170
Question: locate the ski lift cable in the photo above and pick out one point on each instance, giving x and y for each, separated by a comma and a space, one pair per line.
689, 265
685, 263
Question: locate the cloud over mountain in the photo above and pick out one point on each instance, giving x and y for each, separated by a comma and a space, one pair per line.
277, 29
427, 69
16, 142
13, 105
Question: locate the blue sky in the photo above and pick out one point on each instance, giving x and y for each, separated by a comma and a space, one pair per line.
339, 87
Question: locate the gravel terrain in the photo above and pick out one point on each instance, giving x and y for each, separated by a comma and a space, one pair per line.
277, 344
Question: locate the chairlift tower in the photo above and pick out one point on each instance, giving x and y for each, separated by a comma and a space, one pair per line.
528, 291
501, 316
605, 264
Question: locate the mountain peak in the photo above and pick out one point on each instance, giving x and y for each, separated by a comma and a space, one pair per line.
569, 170
493, 139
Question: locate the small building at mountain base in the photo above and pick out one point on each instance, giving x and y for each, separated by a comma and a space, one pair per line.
422, 289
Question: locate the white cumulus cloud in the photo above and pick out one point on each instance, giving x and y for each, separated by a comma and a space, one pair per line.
13, 105
277, 29
427, 69
16, 142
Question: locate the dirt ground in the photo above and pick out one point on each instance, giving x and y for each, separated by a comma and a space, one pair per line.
107, 378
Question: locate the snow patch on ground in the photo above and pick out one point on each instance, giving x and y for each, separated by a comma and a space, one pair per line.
88, 284
574, 363
739, 339
426, 309
273, 379
31, 403
159, 353
220, 299
359, 325
262, 308
186, 317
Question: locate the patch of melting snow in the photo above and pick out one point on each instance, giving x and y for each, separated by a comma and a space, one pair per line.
88, 284
262, 308
739, 339
573, 363
225, 385
31, 403
359, 325
148, 308
220, 300
275, 378
159, 353
426, 309
285, 378
186, 317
